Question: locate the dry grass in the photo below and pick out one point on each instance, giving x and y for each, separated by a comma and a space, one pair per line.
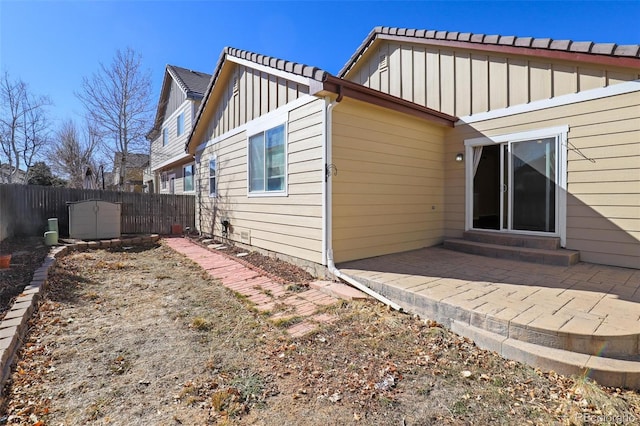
145, 337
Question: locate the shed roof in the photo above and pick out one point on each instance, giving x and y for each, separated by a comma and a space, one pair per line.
585, 51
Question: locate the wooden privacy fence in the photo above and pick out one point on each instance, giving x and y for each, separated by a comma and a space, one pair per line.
24, 209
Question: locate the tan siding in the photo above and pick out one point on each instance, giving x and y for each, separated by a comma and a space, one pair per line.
462, 82
565, 80
390, 172
258, 93
462, 78
498, 91
480, 84
447, 83
176, 98
518, 82
432, 84
603, 200
419, 82
290, 225
591, 78
539, 80
395, 70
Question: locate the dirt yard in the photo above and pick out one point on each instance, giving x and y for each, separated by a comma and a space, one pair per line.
144, 336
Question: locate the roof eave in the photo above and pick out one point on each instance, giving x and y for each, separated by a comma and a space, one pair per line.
346, 88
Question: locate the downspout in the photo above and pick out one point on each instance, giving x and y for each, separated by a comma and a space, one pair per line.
328, 218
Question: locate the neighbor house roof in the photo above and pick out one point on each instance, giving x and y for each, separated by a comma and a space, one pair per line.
134, 161
320, 81
585, 51
193, 83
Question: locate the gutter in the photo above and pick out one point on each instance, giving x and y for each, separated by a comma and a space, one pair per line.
328, 218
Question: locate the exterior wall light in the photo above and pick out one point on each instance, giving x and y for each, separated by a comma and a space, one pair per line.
459, 157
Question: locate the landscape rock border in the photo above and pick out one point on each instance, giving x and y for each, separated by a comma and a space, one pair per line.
14, 326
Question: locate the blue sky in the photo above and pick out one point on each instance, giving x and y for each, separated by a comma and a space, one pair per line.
52, 44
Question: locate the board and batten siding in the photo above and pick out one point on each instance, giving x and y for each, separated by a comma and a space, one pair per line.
176, 98
462, 82
388, 192
247, 94
603, 199
292, 224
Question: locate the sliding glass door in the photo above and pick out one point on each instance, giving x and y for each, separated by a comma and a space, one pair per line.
515, 186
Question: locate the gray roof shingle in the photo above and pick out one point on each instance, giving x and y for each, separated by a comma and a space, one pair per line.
193, 82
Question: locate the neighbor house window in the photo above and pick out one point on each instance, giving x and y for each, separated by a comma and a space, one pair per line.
163, 180
165, 136
188, 177
267, 161
212, 177
180, 124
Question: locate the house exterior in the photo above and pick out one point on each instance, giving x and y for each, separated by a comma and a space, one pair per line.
422, 136
19, 176
548, 129
171, 170
135, 165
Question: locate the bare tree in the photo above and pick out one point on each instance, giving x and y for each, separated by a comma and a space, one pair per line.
118, 104
24, 128
74, 152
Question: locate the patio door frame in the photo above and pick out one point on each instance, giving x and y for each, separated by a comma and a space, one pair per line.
560, 134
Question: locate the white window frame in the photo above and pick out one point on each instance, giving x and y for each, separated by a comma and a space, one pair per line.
559, 132
165, 136
213, 189
193, 178
180, 124
164, 179
263, 127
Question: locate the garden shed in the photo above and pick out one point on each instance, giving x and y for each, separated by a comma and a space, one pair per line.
94, 220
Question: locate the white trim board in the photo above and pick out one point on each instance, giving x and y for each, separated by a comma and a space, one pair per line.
174, 159
587, 95
273, 71
261, 121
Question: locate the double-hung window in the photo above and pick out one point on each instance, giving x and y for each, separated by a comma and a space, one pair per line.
163, 180
187, 180
165, 136
267, 161
212, 177
180, 124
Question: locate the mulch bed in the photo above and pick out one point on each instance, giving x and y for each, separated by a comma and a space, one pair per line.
28, 254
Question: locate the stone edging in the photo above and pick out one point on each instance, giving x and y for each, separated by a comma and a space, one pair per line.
14, 326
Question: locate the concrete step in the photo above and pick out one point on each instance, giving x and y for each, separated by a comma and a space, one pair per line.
515, 240
605, 371
560, 257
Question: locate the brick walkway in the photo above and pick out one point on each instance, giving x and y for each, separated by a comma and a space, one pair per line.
304, 310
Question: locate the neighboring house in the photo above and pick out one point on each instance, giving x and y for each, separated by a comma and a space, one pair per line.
424, 135
135, 165
19, 177
170, 169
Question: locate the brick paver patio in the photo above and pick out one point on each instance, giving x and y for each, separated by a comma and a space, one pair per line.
584, 314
